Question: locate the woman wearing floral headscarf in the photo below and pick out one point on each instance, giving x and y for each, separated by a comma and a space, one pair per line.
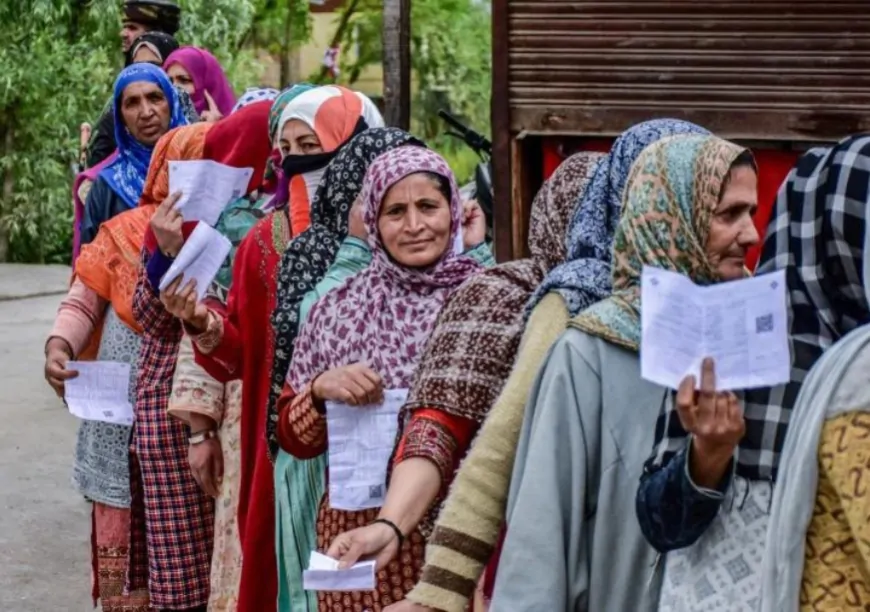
572, 539
384, 314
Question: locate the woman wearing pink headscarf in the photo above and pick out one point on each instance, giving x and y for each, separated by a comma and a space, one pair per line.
201, 75
364, 339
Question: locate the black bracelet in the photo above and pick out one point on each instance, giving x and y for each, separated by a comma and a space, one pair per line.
399, 535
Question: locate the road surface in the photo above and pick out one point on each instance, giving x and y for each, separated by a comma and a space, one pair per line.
44, 524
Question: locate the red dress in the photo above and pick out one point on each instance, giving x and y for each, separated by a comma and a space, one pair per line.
240, 346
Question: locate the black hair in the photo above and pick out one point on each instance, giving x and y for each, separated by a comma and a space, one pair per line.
441, 183
744, 160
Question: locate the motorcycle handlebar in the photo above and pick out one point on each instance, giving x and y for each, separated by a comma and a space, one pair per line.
471, 138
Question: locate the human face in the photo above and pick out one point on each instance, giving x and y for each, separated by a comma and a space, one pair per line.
297, 138
732, 231
180, 77
145, 55
414, 221
130, 31
145, 111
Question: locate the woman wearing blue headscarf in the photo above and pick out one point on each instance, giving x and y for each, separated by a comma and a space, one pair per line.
146, 106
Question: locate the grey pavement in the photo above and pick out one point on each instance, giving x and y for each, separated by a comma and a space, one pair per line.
19, 281
44, 524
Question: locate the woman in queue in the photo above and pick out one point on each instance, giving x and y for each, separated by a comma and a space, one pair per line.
201, 75
384, 316
96, 320
572, 539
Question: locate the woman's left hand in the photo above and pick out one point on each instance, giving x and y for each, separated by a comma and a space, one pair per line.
211, 114
473, 224
376, 541
182, 303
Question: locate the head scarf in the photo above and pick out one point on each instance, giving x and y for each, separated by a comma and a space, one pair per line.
207, 75
160, 43
163, 15
819, 236
126, 173
585, 277
386, 312
679, 177
255, 94
335, 115
309, 255
280, 185
110, 264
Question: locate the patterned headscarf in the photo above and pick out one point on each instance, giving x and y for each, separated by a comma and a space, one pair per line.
673, 190
585, 277
474, 344
385, 313
207, 75
163, 15
309, 255
816, 235
126, 173
255, 94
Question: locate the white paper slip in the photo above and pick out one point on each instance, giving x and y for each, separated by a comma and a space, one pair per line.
323, 575
101, 392
200, 258
361, 441
207, 187
742, 325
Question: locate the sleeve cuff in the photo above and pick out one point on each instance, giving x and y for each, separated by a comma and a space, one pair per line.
157, 266
715, 494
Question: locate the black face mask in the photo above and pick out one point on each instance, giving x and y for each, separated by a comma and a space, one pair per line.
294, 165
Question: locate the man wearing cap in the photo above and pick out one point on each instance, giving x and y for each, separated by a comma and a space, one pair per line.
140, 16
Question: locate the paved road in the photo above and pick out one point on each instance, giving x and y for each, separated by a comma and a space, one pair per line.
44, 524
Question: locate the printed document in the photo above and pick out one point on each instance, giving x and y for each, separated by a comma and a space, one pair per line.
200, 258
101, 392
742, 325
323, 575
207, 188
361, 441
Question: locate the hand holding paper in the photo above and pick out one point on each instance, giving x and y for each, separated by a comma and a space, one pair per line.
200, 259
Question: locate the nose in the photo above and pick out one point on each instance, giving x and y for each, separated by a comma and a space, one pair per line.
413, 221
748, 236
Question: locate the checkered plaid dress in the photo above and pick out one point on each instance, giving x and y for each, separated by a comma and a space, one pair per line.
816, 235
179, 517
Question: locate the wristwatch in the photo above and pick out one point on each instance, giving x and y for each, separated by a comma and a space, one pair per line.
201, 436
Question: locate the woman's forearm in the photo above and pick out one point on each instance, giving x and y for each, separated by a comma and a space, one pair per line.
414, 485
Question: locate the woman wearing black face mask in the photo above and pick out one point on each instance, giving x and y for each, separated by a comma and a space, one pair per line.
312, 129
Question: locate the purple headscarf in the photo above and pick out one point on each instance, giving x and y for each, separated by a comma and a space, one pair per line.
208, 75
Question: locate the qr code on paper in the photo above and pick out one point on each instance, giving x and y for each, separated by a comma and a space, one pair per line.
376, 491
764, 324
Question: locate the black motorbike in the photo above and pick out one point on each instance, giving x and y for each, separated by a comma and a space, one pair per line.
481, 188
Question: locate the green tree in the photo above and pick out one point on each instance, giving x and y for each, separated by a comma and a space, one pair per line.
58, 62
451, 61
